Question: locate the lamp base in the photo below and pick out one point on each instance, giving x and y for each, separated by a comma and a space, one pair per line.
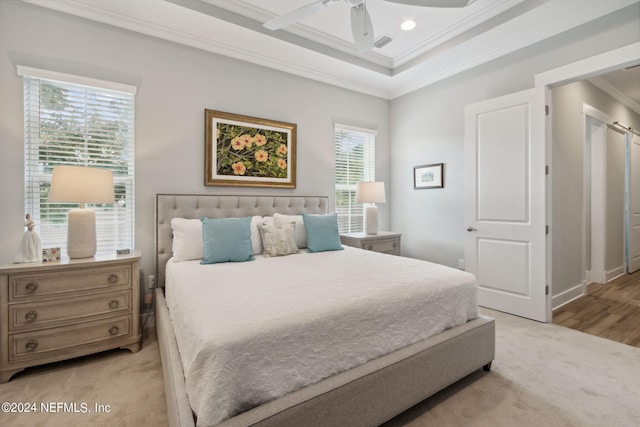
81, 233
371, 219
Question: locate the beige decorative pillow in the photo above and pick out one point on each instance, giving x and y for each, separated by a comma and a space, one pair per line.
278, 240
301, 232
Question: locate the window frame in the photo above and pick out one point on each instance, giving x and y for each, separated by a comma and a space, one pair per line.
351, 214
111, 229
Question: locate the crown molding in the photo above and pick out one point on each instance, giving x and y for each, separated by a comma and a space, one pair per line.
236, 51
604, 85
245, 39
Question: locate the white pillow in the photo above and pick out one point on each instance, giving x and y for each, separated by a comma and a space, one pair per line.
301, 231
256, 240
187, 239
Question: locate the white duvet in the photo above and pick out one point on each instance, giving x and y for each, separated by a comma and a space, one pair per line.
253, 331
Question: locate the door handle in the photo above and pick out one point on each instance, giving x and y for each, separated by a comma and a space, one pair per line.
470, 228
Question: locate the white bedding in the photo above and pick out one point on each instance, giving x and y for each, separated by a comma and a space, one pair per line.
253, 331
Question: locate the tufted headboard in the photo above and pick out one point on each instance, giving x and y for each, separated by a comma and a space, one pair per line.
170, 206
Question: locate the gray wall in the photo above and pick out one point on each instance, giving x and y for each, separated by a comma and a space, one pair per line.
568, 181
175, 84
427, 126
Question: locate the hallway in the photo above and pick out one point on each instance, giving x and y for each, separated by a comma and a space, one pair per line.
610, 311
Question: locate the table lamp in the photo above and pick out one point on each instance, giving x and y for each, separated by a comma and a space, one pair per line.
80, 184
370, 192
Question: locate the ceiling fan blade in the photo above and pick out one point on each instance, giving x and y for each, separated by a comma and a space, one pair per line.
296, 15
434, 3
361, 28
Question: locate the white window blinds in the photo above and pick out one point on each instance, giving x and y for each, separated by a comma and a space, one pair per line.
70, 120
355, 159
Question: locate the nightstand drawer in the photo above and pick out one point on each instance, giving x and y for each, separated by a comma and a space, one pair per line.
389, 245
42, 344
68, 310
51, 284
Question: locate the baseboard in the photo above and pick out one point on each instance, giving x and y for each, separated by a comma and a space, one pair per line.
615, 273
569, 295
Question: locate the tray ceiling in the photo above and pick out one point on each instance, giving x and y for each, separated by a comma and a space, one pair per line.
443, 43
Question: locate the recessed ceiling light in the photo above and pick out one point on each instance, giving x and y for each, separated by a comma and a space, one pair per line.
408, 25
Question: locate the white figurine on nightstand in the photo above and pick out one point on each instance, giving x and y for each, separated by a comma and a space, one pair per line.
30, 249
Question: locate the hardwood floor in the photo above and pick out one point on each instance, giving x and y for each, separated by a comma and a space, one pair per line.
609, 311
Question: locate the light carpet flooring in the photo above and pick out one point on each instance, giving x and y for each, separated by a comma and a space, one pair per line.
543, 375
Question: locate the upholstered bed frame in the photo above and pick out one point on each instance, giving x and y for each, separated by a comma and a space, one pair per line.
367, 395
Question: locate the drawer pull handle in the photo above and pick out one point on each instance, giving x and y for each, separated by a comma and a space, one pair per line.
113, 278
31, 316
370, 247
31, 345
395, 245
31, 287
113, 330
113, 303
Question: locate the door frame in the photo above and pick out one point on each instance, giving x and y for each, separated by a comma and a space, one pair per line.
629, 141
595, 197
589, 67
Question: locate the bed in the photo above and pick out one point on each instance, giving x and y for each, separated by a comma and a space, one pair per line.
365, 385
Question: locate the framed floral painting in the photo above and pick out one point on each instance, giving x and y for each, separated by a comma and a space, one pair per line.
249, 151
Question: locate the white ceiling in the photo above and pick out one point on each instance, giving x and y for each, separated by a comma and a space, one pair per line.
444, 42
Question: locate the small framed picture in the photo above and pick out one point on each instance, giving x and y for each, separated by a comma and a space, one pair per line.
50, 254
428, 176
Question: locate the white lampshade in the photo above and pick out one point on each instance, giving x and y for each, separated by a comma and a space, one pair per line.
370, 192
79, 184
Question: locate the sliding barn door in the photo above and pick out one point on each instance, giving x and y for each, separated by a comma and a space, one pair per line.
633, 203
505, 205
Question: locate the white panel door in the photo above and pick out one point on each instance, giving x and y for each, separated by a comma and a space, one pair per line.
505, 205
633, 203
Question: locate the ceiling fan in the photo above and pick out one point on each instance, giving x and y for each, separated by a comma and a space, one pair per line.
361, 27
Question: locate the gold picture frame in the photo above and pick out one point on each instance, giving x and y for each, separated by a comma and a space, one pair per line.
249, 151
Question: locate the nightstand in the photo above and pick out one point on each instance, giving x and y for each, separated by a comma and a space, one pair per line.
385, 241
69, 308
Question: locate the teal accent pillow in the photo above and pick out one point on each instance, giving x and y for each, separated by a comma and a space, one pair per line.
322, 232
226, 239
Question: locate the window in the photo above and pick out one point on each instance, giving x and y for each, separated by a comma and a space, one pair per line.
70, 120
355, 162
